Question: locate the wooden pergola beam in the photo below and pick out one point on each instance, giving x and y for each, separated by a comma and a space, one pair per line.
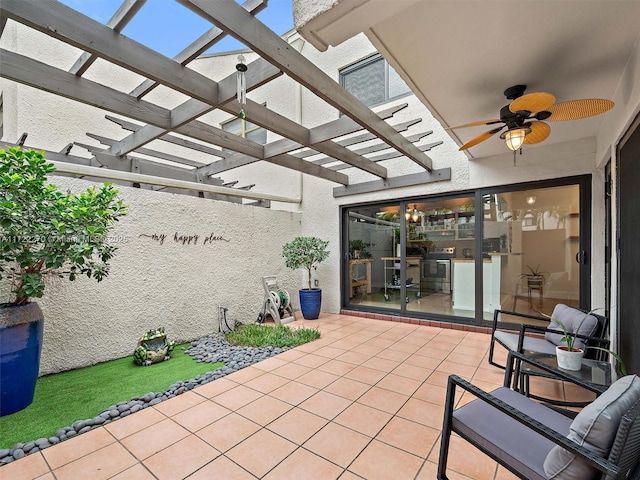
120, 19
237, 22
199, 46
30, 72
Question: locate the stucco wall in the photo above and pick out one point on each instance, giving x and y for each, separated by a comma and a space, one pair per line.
171, 284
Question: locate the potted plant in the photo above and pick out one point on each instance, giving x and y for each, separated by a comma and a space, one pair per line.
358, 249
535, 277
42, 231
569, 357
307, 252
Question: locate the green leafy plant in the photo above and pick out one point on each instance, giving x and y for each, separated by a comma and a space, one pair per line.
358, 245
305, 252
618, 358
45, 231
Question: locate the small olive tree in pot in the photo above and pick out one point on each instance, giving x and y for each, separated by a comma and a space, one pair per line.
43, 231
307, 252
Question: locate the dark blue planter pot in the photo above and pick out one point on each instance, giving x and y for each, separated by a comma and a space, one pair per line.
20, 346
310, 301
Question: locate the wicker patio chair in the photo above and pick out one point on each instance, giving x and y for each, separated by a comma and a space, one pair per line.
536, 442
592, 332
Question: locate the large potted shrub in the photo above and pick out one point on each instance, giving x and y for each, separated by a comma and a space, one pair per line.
43, 231
307, 252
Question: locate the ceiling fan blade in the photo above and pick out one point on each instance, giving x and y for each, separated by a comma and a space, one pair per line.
475, 124
539, 132
480, 138
575, 109
533, 102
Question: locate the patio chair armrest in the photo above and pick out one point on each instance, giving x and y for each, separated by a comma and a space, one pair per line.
600, 342
496, 314
599, 463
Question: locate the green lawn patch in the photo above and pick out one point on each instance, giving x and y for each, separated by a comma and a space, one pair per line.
63, 398
255, 335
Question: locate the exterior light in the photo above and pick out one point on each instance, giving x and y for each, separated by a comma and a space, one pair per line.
514, 138
531, 199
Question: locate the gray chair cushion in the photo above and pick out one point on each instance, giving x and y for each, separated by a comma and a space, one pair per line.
575, 321
534, 344
496, 431
595, 428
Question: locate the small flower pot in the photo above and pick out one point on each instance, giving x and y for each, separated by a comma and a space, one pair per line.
569, 360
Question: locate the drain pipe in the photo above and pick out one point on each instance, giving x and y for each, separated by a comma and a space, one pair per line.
75, 169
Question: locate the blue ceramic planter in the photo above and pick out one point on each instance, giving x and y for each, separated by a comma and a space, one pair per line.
20, 346
310, 301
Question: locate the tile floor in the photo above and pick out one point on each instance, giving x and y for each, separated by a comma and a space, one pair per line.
365, 401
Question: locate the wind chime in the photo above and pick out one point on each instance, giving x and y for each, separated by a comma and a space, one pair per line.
241, 84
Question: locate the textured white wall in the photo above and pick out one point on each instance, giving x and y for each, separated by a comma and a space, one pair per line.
171, 284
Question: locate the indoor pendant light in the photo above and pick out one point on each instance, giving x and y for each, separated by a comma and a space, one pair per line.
415, 215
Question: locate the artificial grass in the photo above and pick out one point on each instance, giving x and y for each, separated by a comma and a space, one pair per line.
255, 335
63, 398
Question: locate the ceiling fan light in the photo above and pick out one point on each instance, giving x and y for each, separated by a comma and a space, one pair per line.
515, 138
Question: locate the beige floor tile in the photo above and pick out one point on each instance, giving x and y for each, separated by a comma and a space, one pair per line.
227, 432
380, 461
297, 425
345, 344
179, 403
26, 468
467, 460
337, 367
264, 410
465, 371
356, 358
292, 355
270, 364
405, 347
214, 388
133, 423
347, 388
431, 393
293, 392
381, 364
325, 404
422, 412
201, 415
291, 371
383, 399
153, 439
395, 355
192, 453
422, 361
438, 378
98, 465
369, 349
337, 444
261, 452
303, 464
317, 379
361, 418
244, 375
311, 360
329, 352
367, 375
409, 436
267, 382
46, 476
237, 397
221, 469
429, 471
419, 373
77, 447
504, 474
397, 383
137, 472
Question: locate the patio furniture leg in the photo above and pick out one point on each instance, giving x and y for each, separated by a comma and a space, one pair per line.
446, 431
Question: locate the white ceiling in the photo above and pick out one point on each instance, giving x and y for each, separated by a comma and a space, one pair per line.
460, 55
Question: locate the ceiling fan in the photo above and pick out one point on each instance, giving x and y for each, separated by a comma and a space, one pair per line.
523, 117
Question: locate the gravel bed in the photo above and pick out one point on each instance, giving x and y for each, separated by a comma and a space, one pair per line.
212, 349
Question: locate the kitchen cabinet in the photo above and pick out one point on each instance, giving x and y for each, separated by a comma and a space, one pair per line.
464, 295
453, 226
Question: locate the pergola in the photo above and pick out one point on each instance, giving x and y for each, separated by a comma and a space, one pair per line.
128, 160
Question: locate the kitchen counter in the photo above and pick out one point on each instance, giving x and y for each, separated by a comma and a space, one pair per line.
464, 294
